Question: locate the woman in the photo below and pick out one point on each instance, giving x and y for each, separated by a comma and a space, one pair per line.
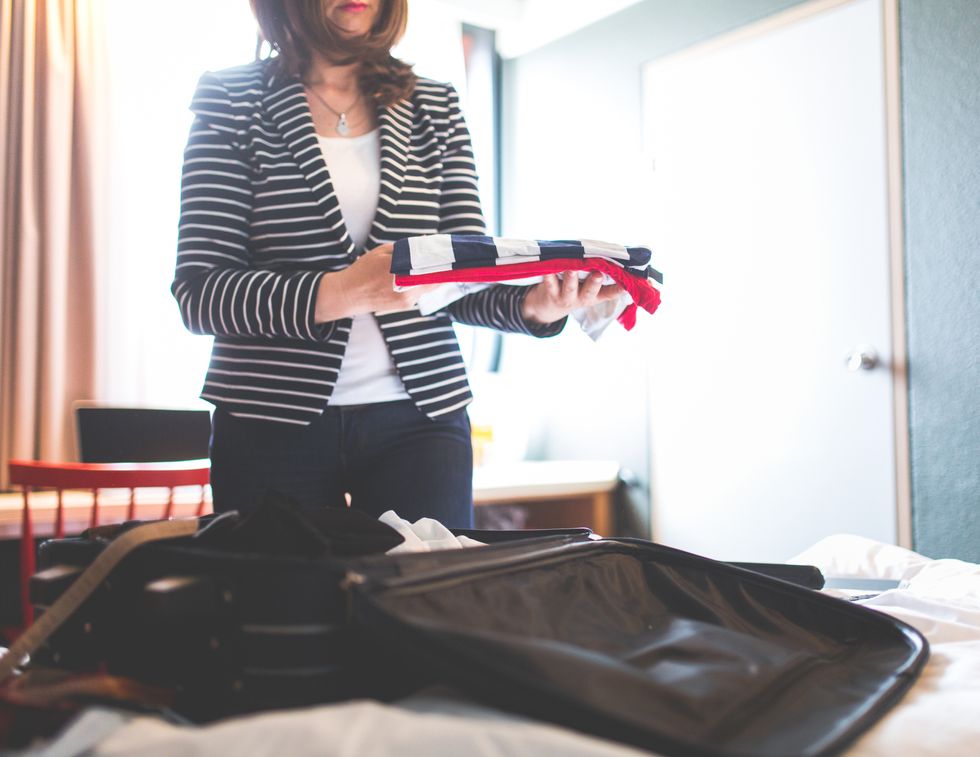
300, 171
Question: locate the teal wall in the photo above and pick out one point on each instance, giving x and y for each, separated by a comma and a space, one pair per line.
595, 74
941, 119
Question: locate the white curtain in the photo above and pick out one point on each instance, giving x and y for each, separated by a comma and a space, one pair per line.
157, 52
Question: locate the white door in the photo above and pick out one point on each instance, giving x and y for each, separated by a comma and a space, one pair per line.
769, 218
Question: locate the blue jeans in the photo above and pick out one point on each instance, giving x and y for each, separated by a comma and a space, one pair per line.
387, 456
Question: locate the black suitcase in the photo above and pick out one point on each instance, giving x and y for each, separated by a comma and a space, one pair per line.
621, 638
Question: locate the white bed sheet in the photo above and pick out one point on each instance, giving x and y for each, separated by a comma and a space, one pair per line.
939, 716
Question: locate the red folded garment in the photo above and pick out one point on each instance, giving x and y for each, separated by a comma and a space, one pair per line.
640, 289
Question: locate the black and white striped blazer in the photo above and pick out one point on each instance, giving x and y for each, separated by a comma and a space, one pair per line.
260, 225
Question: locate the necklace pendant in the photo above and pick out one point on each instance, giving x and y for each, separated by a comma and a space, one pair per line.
342, 128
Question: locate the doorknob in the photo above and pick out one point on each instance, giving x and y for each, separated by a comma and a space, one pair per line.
862, 358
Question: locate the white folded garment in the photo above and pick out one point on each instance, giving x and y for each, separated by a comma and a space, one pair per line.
445, 294
424, 535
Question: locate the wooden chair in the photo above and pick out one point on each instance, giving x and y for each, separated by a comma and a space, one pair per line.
31, 475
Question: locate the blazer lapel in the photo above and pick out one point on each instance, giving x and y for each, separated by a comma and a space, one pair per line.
290, 112
395, 125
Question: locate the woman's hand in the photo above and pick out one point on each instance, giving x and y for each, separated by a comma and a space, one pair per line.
367, 286
552, 299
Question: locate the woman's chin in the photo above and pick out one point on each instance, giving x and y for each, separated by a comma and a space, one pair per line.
352, 33
352, 25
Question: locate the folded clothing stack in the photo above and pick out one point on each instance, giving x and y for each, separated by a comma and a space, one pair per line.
450, 258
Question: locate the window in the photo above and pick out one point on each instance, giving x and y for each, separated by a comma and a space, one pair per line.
156, 53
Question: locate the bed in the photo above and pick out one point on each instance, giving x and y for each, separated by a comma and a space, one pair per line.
938, 716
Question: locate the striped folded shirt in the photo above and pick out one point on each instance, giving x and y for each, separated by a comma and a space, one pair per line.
449, 258
433, 253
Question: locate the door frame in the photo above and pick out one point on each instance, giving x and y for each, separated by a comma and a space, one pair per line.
895, 213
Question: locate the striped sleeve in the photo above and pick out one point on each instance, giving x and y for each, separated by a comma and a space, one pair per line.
499, 307
217, 289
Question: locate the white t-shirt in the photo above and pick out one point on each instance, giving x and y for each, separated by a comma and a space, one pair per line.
367, 373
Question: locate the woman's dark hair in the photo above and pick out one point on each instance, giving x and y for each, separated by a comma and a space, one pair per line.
296, 29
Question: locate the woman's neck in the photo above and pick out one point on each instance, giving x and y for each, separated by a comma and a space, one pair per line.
326, 76
335, 90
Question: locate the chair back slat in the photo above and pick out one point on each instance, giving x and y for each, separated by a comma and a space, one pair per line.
201, 503
94, 512
27, 558
59, 518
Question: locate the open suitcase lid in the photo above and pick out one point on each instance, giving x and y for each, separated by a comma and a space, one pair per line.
647, 645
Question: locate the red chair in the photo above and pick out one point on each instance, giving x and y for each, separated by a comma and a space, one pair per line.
30, 475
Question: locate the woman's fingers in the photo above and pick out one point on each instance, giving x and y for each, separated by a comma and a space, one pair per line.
609, 292
569, 289
552, 286
590, 288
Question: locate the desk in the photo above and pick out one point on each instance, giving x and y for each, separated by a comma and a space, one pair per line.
557, 493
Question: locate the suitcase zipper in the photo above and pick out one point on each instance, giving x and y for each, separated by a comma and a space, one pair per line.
450, 576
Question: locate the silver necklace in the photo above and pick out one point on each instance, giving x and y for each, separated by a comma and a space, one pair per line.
342, 128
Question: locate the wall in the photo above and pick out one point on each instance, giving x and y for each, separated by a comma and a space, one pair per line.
586, 89
941, 115
571, 146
